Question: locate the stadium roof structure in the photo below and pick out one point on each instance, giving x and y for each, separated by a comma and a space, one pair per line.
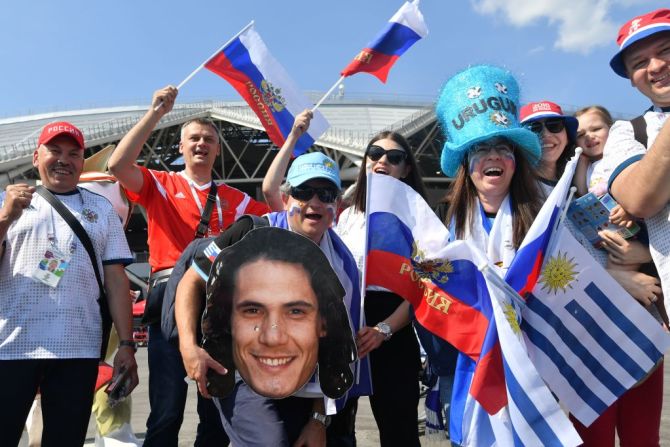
246, 149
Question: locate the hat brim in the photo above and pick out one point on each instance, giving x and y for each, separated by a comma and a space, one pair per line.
98, 161
299, 180
529, 142
617, 63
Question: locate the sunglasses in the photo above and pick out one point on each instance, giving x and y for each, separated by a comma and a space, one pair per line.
305, 193
394, 156
553, 125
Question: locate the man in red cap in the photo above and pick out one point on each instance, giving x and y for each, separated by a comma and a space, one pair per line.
636, 160
637, 153
50, 320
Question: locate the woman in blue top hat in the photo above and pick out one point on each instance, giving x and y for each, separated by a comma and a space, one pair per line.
495, 195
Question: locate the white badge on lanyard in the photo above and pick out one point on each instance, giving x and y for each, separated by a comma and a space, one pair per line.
54, 262
52, 266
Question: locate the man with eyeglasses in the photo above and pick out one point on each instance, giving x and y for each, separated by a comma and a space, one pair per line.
308, 200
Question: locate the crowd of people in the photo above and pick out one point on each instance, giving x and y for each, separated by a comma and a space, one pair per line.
245, 342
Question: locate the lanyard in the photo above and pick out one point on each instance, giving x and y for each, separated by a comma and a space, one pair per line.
194, 193
51, 234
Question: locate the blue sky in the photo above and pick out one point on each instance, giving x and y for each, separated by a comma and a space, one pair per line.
75, 54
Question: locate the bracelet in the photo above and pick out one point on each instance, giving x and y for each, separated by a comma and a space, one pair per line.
129, 343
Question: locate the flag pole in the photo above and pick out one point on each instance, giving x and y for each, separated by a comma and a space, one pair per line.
323, 98
564, 212
502, 285
201, 66
361, 314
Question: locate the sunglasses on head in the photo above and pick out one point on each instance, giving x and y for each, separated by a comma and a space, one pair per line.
553, 125
394, 156
325, 194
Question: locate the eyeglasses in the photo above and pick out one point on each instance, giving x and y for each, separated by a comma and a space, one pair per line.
394, 156
482, 149
553, 125
305, 193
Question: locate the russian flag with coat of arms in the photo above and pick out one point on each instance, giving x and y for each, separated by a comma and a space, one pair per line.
409, 253
247, 64
401, 32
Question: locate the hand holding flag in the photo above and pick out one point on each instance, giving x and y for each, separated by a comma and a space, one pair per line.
247, 64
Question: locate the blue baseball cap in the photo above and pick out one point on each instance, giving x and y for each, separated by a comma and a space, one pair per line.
313, 165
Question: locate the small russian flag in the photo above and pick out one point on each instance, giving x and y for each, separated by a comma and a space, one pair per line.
403, 29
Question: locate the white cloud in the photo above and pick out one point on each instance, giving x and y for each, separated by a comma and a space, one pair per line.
581, 24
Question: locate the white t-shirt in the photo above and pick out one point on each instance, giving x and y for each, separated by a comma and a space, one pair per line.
41, 322
621, 150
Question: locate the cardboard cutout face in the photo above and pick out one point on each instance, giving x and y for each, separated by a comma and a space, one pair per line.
274, 311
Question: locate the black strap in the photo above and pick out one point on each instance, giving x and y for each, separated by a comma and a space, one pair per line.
85, 240
640, 129
203, 226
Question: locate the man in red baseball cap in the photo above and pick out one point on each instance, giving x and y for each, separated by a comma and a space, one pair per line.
637, 153
636, 160
50, 314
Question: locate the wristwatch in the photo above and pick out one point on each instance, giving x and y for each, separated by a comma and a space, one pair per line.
325, 420
129, 343
384, 329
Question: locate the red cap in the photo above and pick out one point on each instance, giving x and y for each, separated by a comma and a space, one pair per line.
539, 110
52, 130
534, 111
636, 29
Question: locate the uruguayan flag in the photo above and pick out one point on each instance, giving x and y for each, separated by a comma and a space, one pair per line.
589, 339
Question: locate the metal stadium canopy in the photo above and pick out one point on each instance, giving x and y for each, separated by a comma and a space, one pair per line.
245, 148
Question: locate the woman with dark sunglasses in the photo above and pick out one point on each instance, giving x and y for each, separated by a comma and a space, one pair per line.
558, 134
387, 336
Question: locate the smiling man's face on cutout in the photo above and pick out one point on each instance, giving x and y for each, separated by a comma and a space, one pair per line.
276, 327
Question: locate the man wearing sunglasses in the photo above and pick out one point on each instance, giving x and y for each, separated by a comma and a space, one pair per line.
308, 202
636, 156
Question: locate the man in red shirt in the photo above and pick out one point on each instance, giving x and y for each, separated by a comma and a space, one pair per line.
176, 206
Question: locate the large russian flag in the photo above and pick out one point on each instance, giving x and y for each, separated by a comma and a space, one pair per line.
264, 84
525, 269
403, 29
410, 254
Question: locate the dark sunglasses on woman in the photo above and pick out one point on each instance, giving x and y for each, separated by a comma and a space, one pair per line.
553, 125
304, 193
394, 156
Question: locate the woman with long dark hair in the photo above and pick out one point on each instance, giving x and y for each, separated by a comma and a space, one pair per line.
494, 196
387, 336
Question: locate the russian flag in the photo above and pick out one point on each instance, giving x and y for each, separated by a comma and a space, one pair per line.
410, 254
401, 32
247, 64
524, 270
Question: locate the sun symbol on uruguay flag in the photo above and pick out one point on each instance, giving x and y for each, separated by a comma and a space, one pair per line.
558, 274
512, 318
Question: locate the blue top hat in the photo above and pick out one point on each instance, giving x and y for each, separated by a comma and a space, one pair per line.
477, 104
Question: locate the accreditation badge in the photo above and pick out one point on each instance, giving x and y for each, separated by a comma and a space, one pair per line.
51, 267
